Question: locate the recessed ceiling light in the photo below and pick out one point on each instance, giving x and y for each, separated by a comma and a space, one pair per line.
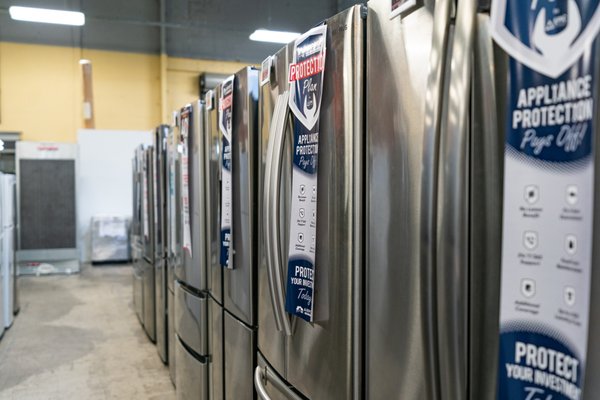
264, 35
47, 16
84, 61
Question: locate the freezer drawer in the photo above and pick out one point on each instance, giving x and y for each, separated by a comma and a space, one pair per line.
240, 359
171, 335
191, 319
149, 299
215, 348
192, 375
138, 291
161, 309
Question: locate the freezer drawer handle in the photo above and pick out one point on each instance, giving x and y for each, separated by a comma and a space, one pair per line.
262, 376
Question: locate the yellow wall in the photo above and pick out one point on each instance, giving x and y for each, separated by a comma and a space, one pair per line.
41, 89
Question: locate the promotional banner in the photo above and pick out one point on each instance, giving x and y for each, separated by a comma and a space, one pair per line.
306, 89
145, 210
172, 149
399, 6
186, 115
225, 122
548, 195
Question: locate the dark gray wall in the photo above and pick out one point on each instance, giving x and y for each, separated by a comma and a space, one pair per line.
211, 29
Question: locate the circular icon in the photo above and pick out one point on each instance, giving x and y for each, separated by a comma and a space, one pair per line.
571, 244
528, 287
301, 213
530, 240
532, 194
572, 194
300, 237
302, 190
569, 296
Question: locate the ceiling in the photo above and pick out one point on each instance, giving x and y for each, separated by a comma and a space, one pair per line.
208, 29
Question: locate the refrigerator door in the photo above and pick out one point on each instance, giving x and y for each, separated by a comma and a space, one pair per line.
3, 308
215, 350
147, 261
240, 358
271, 344
212, 171
239, 283
192, 375
8, 260
160, 264
323, 359
192, 271
399, 54
172, 337
191, 320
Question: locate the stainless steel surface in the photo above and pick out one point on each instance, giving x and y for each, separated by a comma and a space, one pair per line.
193, 271
172, 337
215, 350
162, 346
192, 375
452, 257
403, 115
191, 319
173, 206
48, 255
239, 283
434, 94
487, 157
239, 358
276, 258
270, 344
212, 170
319, 357
264, 376
149, 302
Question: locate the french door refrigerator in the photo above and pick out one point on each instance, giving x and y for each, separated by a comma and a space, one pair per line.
148, 251
195, 310
309, 345
159, 222
136, 234
234, 224
173, 234
481, 173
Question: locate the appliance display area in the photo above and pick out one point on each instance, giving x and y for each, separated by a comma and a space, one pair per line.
399, 202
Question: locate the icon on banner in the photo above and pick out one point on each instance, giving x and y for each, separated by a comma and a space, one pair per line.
300, 237
572, 194
532, 194
530, 240
571, 244
570, 296
301, 213
302, 190
528, 287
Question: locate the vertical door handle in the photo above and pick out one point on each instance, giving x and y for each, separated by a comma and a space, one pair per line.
275, 228
452, 263
433, 113
267, 206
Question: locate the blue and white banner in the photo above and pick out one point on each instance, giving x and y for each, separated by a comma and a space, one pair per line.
548, 195
306, 90
225, 122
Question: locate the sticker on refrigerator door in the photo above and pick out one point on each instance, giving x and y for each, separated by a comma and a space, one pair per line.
225, 126
306, 91
172, 148
548, 195
400, 6
265, 70
185, 119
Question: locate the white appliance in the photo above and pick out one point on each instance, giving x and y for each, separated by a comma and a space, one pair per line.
7, 182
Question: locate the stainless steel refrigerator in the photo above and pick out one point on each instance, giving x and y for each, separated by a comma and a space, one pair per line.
464, 235
319, 359
136, 234
160, 247
173, 229
148, 251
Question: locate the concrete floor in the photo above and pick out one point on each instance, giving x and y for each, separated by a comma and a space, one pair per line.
77, 337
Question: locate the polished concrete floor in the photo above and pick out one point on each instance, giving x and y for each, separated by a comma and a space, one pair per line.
77, 337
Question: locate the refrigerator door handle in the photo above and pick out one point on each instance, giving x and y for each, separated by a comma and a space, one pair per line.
262, 376
275, 203
452, 258
267, 220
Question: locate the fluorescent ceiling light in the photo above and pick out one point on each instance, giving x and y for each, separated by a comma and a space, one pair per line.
264, 35
47, 16
84, 61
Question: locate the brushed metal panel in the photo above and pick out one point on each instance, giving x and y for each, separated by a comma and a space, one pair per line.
192, 375
191, 319
239, 283
321, 358
161, 309
149, 299
398, 53
240, 359
215, 350
270, 342
148, 201
172, 337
